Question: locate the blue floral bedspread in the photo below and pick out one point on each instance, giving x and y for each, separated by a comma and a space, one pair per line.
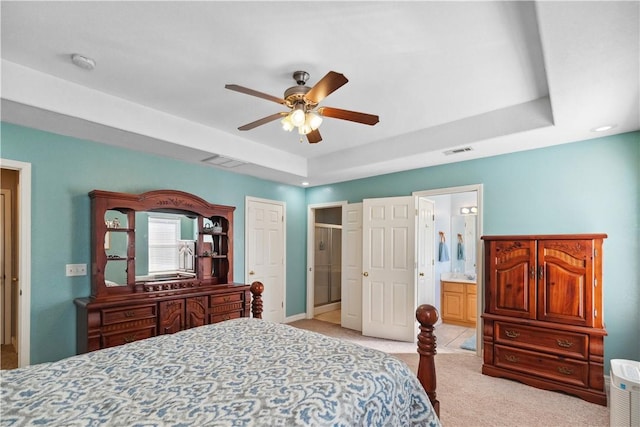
243, 372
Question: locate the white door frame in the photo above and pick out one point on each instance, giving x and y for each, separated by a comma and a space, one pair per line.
479, 251
311, 225
6, 297
284, 244
24, 257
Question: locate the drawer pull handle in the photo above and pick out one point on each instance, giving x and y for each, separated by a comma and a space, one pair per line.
564, 343
227, 317
564, 370
129, 338
511, 358
227, 299
511, 334
129, 313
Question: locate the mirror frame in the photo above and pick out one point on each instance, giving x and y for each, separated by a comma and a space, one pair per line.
166, 201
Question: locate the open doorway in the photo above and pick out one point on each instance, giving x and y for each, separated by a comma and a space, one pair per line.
458, 287
324, 254
16, 177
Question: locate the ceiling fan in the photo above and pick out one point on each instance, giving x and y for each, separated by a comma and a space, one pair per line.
302, 102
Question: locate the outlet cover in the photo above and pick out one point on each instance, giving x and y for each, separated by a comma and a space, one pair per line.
76, 269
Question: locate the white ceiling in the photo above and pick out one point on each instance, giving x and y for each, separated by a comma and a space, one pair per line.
496, 76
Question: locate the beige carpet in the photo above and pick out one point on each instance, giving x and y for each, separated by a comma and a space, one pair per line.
470, 399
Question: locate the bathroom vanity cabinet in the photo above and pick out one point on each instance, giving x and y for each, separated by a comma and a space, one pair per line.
543, 316
458, 303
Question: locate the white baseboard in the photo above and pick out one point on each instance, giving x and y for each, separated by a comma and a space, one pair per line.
295, 317
326, 308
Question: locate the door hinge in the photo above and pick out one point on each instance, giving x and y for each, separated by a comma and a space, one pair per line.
596, 253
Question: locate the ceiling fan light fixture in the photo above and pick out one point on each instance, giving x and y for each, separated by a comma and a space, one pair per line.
314, 120
297, 115
304, 129
286, 124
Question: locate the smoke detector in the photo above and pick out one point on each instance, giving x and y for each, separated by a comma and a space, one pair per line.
83, 62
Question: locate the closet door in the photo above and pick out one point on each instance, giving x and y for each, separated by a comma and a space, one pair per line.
389, 268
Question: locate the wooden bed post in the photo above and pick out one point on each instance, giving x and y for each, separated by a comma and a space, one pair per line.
256, 303
427, 316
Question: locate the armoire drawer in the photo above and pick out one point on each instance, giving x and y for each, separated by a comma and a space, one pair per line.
118, 315
555, 368
562, 343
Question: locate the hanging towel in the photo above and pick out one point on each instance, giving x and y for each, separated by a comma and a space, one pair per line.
460, 251
443, 252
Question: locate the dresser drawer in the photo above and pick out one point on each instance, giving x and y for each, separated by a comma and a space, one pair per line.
569, 344
555, 368
127, 336
127, 314
226, 298
226, 316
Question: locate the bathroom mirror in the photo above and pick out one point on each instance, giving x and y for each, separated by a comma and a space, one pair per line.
463, 244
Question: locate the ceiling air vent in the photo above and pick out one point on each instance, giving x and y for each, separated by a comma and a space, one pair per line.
458, 151
225, 162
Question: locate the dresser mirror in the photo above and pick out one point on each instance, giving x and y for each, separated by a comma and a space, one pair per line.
159, 240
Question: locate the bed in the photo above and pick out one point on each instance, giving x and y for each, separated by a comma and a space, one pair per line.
276, 375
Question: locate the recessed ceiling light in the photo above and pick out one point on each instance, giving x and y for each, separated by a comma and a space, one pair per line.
83, 62
603, 128
305, 183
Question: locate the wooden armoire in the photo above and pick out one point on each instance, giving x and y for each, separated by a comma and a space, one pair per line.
543, 316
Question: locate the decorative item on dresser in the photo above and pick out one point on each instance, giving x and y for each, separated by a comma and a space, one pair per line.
543, 317
148, 280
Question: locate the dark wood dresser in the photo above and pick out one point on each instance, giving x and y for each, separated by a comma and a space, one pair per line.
543, 317
132, 296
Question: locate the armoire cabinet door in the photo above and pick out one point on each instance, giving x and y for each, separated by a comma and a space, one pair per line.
511, 283
565, 277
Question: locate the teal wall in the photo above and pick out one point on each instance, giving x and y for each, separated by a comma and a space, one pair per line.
589, 186
65, 169
585, 187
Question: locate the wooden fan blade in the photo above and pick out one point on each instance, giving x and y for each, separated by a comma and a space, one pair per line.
352, 116
326, 86
262, 121
252, 92
314, 137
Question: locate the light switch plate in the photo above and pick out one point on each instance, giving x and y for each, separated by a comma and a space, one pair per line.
76, 269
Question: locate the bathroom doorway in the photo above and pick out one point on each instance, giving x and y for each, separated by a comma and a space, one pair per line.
458, 262
324, 275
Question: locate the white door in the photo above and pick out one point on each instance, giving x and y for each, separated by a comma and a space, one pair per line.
265, 254
426, 259
389, 266
351, 311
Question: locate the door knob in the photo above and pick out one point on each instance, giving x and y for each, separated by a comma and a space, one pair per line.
421, 274
365, 274
251, 273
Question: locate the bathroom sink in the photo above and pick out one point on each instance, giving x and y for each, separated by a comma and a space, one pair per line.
458, 277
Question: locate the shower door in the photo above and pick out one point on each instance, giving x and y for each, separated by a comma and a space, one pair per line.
328, 263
